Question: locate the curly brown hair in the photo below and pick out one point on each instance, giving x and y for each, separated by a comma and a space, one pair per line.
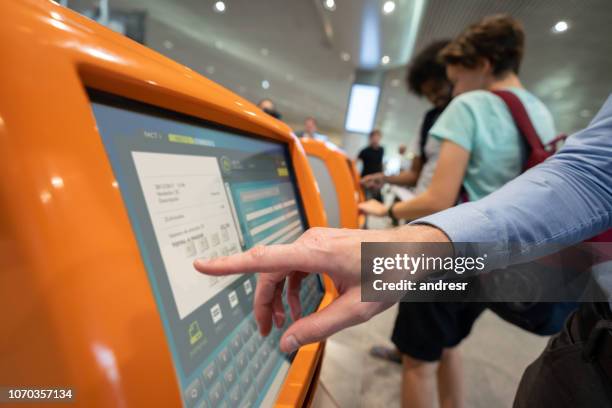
498, 38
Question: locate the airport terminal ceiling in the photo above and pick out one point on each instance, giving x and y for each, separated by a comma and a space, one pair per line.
306, 53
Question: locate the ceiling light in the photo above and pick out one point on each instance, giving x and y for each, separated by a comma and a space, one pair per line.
388, 7
585, 113
345, 56
329, 4
168, 45
219, 6
219, 45
560, 27
385, 60
289, 77
210, 70
395, 82
265, 84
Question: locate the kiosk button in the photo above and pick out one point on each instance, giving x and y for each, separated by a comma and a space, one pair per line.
249, 399
210, 373
242, 361
236, 345
215, 395
203, 404
223, 359
247, 381
235, 396
229, 378
264, 374
193, 393
245, 333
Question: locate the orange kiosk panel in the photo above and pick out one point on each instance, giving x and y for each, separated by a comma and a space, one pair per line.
118, 168
358, 188
341, 196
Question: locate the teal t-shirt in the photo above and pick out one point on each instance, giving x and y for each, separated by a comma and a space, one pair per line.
480, 122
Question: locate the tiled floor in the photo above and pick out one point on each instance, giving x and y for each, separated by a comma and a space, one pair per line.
495, 356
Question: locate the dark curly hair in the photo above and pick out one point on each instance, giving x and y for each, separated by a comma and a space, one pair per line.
498, 38
427, 66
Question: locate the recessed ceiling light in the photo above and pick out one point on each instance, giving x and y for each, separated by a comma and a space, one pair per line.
560, 27
219, 6
385, 59
265, 52
168, 45
210, 70
265, 84
345, 56
329, 4
388, 7
395, 82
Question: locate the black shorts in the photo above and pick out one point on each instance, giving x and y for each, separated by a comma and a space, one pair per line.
424, 330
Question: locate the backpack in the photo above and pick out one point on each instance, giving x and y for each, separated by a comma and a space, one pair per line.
537, 151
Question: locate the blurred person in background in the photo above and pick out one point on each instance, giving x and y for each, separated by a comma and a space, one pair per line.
426, 78
481, 150
372, 162
268, 106
311, 130
404, 157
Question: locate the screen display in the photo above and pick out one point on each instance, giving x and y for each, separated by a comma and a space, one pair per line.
362, 106
327, 189
195, 190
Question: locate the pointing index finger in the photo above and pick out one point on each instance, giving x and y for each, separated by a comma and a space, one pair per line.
273, 258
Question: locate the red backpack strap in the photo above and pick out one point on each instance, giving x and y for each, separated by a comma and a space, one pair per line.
521, 119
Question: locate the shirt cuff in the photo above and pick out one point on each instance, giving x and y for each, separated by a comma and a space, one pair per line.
465, 224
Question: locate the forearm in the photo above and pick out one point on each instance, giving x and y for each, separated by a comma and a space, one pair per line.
405, 178
422, 205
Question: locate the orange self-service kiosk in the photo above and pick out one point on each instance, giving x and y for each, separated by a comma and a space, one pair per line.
118, 168
337, 182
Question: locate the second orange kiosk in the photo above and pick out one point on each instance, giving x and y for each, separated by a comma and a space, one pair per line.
338, 183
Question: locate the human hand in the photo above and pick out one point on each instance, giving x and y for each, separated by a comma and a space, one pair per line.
373, 181
373, 207
336, 252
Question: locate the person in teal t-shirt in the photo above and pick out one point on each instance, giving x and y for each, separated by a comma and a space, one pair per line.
480, 123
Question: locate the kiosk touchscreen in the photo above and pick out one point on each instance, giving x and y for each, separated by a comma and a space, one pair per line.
118, 168
193, 190
337, 184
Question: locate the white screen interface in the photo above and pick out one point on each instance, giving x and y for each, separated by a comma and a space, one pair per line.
193, 190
